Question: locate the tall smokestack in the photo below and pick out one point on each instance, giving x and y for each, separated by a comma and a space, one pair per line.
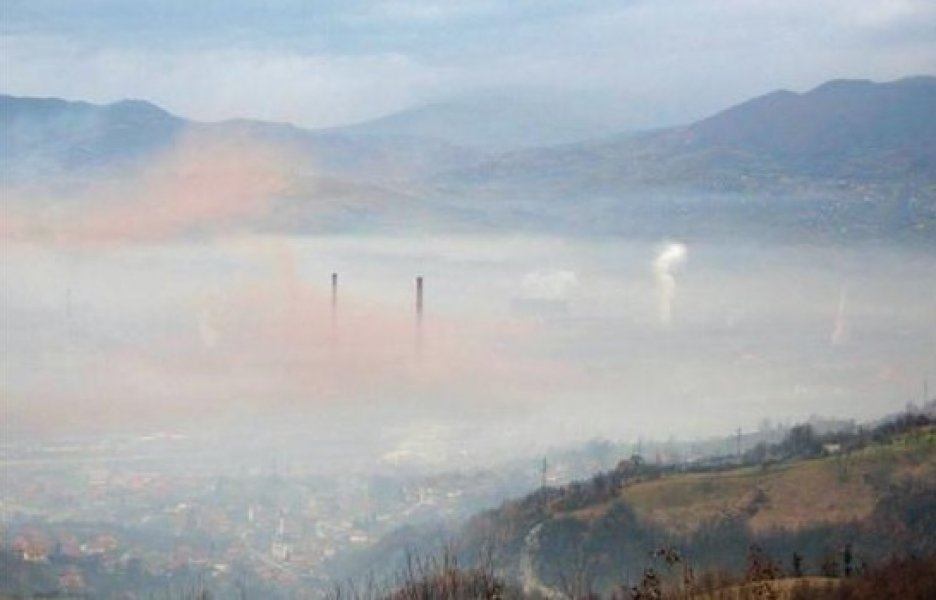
334, 311
419, 298
419, 315
334, 296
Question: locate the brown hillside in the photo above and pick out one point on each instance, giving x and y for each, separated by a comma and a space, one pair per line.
834, 489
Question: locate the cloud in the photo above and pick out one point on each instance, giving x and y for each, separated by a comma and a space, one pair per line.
419, 13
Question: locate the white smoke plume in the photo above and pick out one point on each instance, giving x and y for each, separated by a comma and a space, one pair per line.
549, 285
840, 329
670, 258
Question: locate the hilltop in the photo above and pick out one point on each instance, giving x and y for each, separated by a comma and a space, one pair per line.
843, 133
499, 122
848, 159
869, 492
44, 137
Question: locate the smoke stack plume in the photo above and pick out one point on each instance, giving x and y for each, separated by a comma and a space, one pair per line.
840, 329
667, 261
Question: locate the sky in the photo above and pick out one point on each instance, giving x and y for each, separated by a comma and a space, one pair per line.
320, 63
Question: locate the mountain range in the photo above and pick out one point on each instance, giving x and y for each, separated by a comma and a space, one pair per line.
50, 136
857, 132
501, 121
865, 149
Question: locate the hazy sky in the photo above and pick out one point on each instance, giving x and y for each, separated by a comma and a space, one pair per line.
326, 62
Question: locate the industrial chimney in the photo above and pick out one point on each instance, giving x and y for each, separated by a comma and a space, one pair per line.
419, 315
419, 298
334, 312
334, 295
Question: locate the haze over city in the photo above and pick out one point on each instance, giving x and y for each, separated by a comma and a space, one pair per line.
284, 279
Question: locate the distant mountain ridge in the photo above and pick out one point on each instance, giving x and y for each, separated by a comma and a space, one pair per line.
858, 131
850, 157
853, 129
53, 150
840, 128
42, 137
499, 122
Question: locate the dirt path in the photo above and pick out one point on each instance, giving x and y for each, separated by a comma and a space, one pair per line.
531, 581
